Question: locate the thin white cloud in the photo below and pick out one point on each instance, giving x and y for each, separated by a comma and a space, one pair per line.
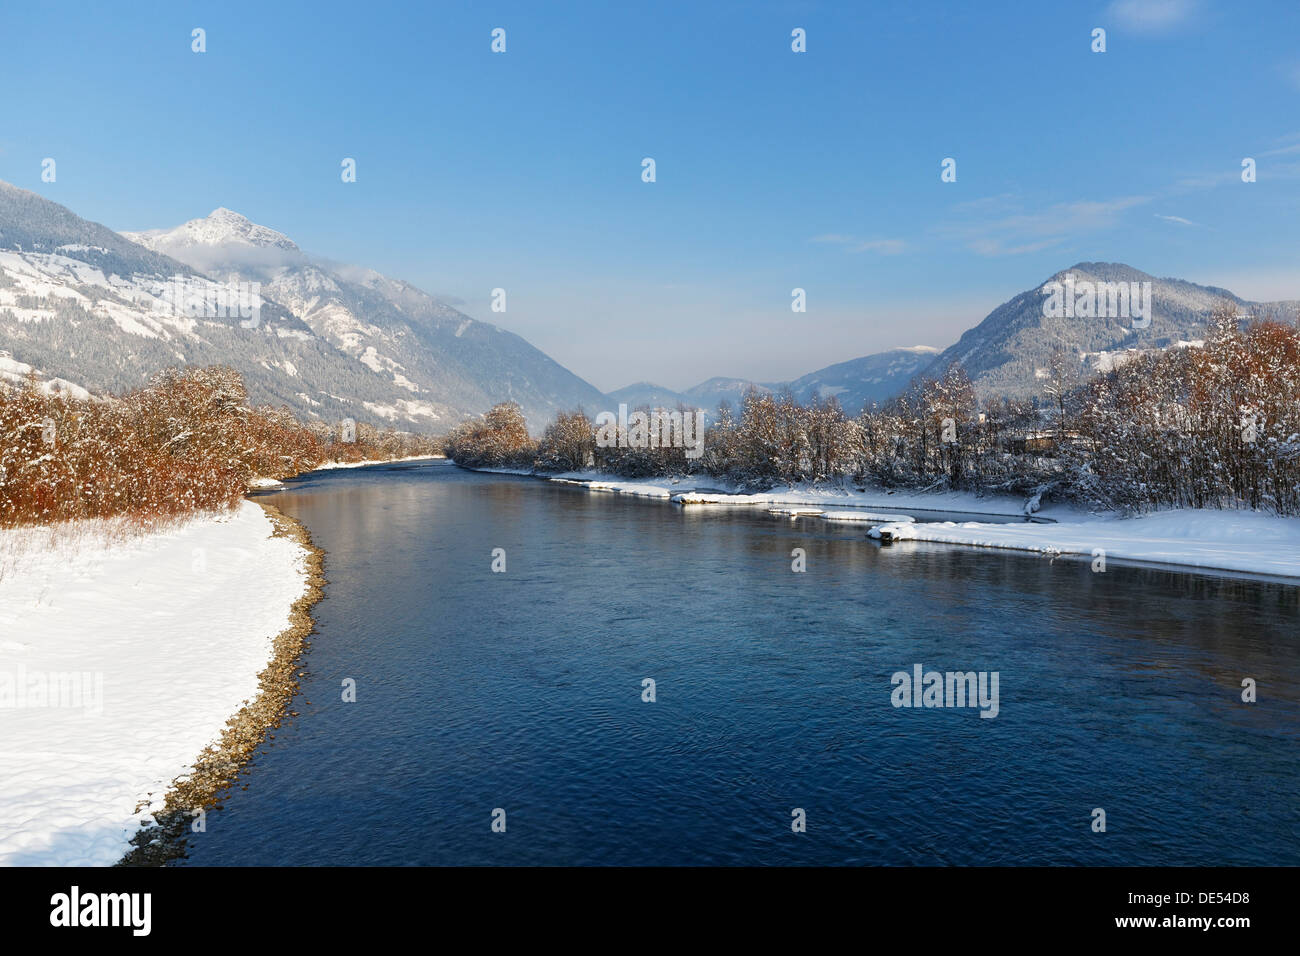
1178, 219
999, 203
996, 247
1288, 145
1152, 16
1073, 216
1282, 150
885, 247
1016, 232
1210, 180
219, 258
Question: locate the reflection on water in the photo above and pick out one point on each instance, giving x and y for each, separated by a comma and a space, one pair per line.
523, 690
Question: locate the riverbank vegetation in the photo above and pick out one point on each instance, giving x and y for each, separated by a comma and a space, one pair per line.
1210, 425
188, 441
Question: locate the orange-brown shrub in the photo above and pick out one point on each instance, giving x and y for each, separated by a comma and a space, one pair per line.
186, 442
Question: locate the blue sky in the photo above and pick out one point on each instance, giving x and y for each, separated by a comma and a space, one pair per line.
775, 169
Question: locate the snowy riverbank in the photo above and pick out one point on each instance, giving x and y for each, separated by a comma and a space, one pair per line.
121, 658
1238, 541
1210, 540
332, 465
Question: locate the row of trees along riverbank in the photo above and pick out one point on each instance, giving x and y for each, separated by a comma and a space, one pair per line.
188, 441
1211, 426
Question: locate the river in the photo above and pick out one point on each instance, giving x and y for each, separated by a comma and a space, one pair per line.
523, 691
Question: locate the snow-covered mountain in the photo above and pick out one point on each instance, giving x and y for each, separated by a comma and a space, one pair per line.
90, 308
222, 228
438, 358
1010, 351
80, 303
872, 379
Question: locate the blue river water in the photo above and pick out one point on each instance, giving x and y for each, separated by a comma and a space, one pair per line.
523, 691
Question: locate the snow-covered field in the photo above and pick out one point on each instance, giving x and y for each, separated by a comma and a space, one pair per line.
121, 659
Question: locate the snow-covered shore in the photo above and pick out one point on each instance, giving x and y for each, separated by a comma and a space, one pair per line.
332, 465
121, 658
840, 496
1237, 541
1210, 540
272, 484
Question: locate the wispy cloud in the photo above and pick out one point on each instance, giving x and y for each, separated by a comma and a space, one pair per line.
997, 247
995, 204
1178, 219
1152, 16
1289, 144
885, 247
1281, 150
1016, 232
1210, 180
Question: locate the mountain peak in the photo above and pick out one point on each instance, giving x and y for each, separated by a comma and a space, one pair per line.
1106, 271
220, 228
224, 225
222, 214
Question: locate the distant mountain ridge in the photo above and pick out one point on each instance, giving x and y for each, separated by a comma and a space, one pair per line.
1010, 351
79, 304
872, 379
647, 393
855, 383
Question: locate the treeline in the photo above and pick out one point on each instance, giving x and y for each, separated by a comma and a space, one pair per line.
188, 441
1217, 426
